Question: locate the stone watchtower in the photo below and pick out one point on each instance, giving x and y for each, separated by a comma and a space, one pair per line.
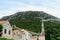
42, 34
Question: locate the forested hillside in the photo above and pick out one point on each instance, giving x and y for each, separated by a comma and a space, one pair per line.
28, 20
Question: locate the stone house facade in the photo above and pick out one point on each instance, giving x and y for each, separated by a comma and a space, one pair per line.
21, 35
7, 29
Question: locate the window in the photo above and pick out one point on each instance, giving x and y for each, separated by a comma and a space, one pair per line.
5, 31
9, 32
7, 24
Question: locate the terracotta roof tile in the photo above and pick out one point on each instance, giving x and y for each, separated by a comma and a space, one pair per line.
14, 31
4, 21
0, 33
34, 37
41, 34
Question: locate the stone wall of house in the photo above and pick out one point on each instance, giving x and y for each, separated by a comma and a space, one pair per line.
41, 37
7, 30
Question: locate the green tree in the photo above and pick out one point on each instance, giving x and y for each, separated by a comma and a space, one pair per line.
1, 27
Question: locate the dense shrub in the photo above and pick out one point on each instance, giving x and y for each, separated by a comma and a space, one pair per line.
5, 39
1, 27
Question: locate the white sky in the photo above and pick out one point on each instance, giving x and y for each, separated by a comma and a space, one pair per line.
8, 7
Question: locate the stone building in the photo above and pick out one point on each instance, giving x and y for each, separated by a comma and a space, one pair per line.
41, 37
34, 37
7, 29
21, 35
